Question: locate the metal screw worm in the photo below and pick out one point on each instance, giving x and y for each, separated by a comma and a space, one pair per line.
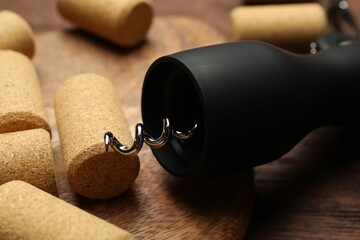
141, 136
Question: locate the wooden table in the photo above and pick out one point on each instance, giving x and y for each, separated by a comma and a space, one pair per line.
313, 192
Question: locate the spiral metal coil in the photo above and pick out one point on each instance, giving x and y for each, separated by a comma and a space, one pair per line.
141, 137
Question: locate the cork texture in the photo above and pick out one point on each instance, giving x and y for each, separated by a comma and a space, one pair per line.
16, 34
86, 107
27, 212
125, 22
290, 26
27, 156
21, 101
275, 1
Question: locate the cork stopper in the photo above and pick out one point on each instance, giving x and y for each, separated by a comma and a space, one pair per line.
27, 156
21, 101
16, 34
123, 22
290, 26
275, 1
86, 107
28, 212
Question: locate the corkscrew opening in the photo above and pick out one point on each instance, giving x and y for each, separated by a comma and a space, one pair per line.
170, 90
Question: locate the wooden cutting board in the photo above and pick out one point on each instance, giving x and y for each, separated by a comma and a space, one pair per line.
158, 206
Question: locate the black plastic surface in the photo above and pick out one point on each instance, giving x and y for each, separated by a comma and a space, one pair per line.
253, 102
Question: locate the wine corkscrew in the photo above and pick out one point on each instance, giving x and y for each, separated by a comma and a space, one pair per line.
246, 103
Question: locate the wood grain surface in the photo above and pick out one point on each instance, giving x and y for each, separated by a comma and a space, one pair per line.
313, 192
158, 206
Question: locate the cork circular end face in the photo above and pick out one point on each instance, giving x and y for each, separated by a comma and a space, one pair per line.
137, 24
19, 121
17, 33
100, 175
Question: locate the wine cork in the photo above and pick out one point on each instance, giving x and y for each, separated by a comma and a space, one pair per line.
123, 22
86, 107
275, 1
27, 156
27, 212
21, 101
16, 34
289, 26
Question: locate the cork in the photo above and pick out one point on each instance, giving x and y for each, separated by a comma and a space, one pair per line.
21, 100
124, 22
86, 107
16, 34
27, 156
290, 26
275, 1
27, 212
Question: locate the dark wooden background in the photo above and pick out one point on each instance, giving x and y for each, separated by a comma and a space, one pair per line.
313, 192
